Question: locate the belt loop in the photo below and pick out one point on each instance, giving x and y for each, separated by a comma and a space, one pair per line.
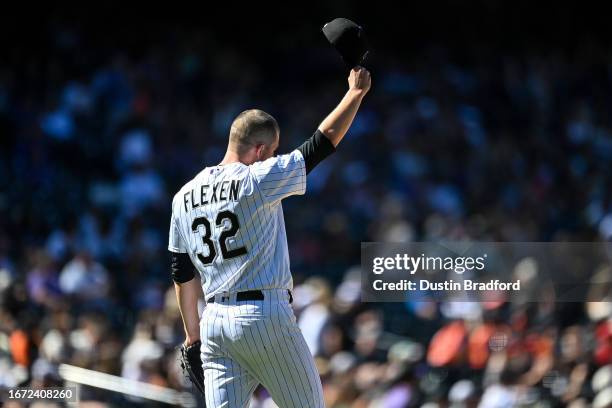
290, 296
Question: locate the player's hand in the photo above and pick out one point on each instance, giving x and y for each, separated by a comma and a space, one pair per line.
359, 79
190, 340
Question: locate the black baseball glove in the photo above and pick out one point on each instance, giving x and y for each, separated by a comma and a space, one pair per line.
191, 363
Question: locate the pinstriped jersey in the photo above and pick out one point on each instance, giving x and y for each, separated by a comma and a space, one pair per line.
229, 219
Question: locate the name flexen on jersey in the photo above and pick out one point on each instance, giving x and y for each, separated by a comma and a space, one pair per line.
229, 219
226, 190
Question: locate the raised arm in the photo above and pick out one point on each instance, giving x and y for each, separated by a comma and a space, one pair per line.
337, 123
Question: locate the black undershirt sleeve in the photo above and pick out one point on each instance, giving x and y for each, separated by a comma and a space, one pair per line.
315, 149
182, 268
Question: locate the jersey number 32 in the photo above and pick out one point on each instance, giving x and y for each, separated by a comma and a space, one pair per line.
225, 234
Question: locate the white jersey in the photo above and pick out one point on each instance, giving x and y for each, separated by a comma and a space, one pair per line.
229, 219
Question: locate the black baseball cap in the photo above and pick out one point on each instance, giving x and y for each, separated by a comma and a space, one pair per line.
349, 40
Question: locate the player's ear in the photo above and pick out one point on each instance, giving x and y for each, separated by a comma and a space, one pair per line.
260, 150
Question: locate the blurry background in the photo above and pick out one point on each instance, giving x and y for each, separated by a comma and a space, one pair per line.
488, 121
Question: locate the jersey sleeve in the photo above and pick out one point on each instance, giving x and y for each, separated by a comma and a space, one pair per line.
281, 176
175, 242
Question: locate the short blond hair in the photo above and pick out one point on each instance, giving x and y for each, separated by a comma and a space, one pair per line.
252, 127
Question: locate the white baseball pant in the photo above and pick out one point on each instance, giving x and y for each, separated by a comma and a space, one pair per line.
255, 342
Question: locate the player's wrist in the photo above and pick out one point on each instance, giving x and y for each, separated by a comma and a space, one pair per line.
356, 94
190, 340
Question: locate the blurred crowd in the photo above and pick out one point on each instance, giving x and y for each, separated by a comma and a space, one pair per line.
489, 146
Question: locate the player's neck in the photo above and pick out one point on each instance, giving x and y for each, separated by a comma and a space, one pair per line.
230, 157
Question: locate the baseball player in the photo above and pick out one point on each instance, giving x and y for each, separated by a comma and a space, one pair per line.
227, 223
